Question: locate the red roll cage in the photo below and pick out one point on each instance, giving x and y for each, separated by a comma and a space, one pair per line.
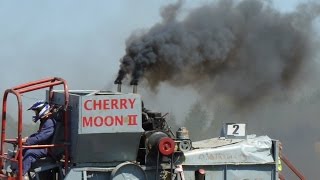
18, 91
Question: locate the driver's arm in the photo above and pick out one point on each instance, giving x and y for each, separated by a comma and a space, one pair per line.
45, 133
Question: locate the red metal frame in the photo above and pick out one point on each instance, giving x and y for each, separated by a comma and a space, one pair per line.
290, 166
18, 91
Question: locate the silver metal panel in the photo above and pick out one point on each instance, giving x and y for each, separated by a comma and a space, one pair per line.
81, 174
251, 172
231, 172
253, 150
74, 116
110, 113
212, 172
73, 112
102, 144
72, 175
107, 147
214, 142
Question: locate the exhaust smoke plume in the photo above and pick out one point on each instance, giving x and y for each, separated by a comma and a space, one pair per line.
237, 56
240, 50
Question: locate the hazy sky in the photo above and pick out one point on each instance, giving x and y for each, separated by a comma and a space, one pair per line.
80, 41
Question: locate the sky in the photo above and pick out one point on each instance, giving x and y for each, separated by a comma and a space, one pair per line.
76, 40
80, 41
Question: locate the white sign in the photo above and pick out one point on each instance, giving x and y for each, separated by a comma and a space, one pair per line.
236, 129
110, 114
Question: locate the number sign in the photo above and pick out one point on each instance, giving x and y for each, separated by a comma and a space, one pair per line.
236, 129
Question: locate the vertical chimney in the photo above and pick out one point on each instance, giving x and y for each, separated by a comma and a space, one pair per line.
134, 83
118, 82
119, 87
135, 89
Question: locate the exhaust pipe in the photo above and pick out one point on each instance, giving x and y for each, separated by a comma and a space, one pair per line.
119, 87
118, 82
134, 83
135, 89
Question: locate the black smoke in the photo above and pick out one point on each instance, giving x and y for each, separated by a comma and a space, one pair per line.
242, 50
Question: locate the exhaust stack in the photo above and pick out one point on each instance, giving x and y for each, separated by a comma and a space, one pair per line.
134, 83
119, 87
118, 82
135, 89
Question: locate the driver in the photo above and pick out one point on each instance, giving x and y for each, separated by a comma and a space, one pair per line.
42, 136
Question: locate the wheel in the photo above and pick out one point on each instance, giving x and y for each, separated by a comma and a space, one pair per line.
128, 171
185, 146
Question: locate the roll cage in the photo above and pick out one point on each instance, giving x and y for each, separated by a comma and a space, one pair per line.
18, 91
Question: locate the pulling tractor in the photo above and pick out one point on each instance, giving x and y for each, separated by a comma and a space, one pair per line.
112, 136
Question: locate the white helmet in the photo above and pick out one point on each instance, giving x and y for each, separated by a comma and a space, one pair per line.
41, 108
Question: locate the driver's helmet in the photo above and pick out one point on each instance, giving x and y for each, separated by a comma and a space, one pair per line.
41, 108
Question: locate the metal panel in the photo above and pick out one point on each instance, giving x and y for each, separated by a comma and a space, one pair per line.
233, 172
73, 174
107, 147
212, 172
110, 114
254, 172
100, 144
89, 173
253, 150
58, 98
